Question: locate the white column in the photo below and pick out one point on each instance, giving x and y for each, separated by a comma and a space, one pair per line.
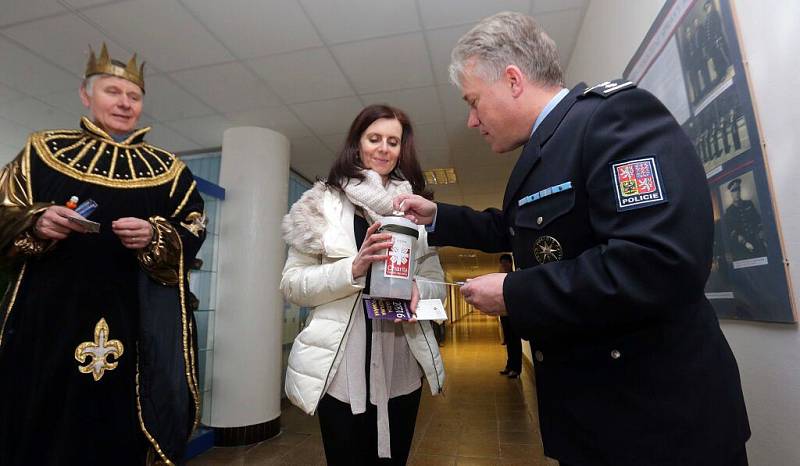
246, 384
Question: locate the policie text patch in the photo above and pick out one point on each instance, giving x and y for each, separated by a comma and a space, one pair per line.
637, 183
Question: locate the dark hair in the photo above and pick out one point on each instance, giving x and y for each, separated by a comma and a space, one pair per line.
506, 257
348, 161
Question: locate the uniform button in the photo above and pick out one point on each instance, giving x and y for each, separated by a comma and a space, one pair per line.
511, 231
539, 356
615, 354
539, 221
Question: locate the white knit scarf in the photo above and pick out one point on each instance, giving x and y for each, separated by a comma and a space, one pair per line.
371, 195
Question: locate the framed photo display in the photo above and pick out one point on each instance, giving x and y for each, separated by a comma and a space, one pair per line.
691, 60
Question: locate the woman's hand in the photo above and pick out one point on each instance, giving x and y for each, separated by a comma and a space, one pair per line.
370, 250
54, 224
134, 233
414, 302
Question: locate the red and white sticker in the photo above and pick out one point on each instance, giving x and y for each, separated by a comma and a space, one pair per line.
397, 264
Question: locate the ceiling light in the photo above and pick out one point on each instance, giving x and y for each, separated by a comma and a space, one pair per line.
440, 176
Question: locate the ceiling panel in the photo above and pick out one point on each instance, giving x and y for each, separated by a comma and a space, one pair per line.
391, 63
7, 153
440, 44
350, 20
13, 134
334, 142
31, 74
166, 138
329, 116
35, 115
29, 10
311, 158
228, 87
255, 28
562, 27
164, 33
7, 94
449, 193
303, 76
421, 104
165, 101
544, 6
87, 3
442, 13
431, 136
71, 50
279, 119
454, 106
68, 101
434, 158
206, 130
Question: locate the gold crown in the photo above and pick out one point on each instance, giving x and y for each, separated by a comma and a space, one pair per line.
104, 65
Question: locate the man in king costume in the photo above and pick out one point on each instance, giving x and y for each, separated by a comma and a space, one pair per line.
97, 342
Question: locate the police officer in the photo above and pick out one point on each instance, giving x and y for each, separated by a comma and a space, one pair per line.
608, 214
744, 226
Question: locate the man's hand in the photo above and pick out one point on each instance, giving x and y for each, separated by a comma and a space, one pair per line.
416, 208
134, 233
54, 224
486, 293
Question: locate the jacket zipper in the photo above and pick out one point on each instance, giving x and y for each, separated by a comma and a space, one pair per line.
338, 348
433, 358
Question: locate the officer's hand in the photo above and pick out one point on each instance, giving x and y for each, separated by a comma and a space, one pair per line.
415, 208
134, 233
54, 223
486, 293
373, 249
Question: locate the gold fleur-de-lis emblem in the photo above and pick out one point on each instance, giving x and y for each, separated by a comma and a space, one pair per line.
547, 249
99, 350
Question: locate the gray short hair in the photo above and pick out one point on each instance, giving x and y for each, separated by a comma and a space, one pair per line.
507, 38
88, 83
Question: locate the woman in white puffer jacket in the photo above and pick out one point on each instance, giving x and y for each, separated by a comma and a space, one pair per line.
362, 377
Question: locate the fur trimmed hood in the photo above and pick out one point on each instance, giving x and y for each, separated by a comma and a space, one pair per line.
304, 226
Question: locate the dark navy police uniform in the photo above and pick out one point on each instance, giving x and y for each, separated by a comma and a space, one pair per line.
609, 217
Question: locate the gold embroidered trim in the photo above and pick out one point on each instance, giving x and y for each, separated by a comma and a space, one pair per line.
188, 352
85, 173
98, 350
141, 421
83, 152
11, 301
195, 222
149, 151
150, 167
175, 181
26, 170
130, 164
185, 199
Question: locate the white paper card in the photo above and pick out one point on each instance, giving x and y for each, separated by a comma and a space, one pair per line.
431, 309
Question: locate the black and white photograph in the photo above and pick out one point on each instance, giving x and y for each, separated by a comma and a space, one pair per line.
704, 50
719, 132
742, 224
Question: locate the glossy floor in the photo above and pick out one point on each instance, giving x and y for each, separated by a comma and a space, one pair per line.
482, 419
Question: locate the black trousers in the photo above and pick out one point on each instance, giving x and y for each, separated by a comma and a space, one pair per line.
353, 439
513, 345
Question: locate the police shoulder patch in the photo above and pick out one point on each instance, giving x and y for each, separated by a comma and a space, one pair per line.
607, 88
637, 183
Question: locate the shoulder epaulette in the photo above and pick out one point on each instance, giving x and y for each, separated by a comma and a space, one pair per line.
607, 88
